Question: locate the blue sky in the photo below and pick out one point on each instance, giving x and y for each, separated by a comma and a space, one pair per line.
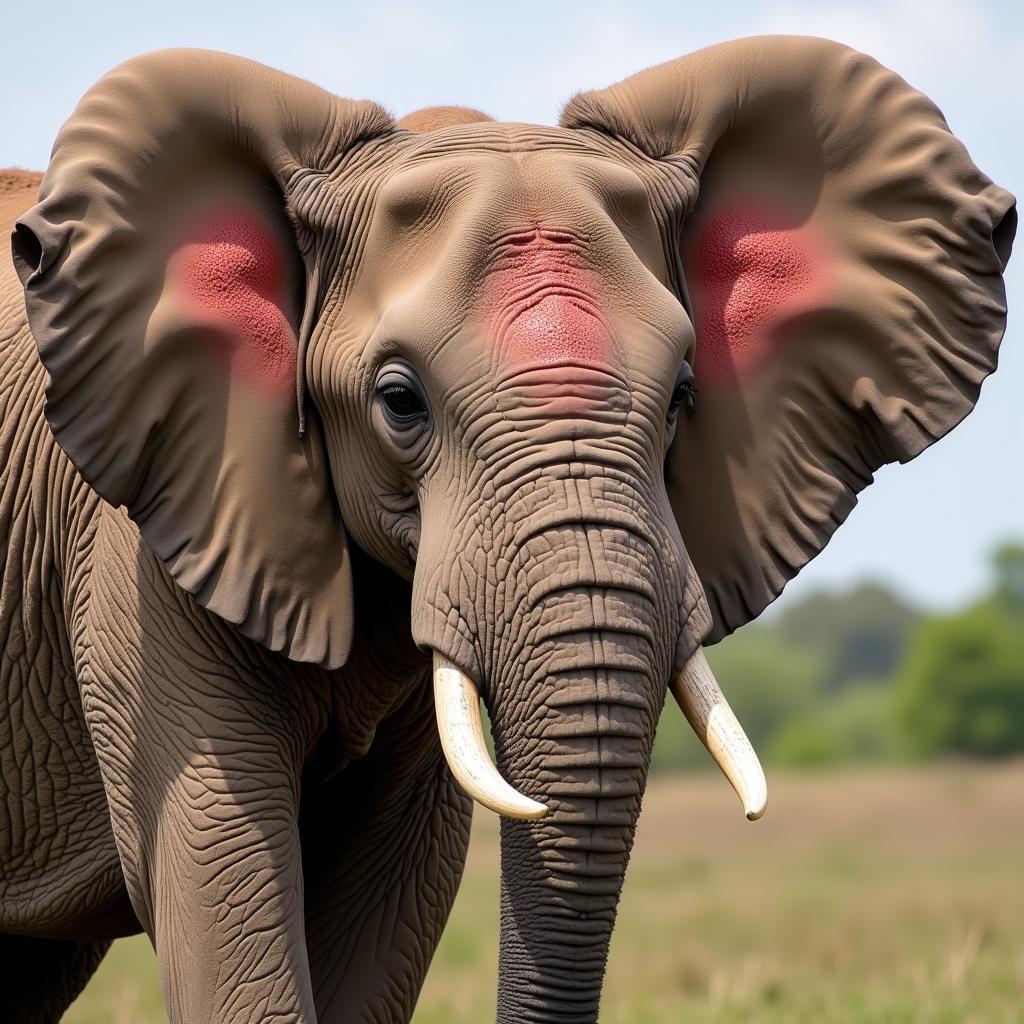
925, 527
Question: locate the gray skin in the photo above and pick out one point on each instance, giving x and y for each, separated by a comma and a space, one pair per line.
132, 713
201, 732
269, 801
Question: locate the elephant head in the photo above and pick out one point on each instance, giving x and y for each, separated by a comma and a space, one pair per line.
597, 390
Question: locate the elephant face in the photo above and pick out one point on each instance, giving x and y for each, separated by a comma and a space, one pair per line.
495, 334
517, 314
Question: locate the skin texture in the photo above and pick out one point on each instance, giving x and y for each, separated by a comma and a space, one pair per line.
227, 274
227, 563
754, 273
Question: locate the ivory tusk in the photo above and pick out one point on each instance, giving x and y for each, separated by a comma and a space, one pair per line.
457, 704
696, 691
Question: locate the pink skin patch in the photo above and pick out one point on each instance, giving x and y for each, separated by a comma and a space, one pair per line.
229, 277
750, 276
543, 305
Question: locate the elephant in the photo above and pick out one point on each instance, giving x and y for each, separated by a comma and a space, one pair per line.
320, 427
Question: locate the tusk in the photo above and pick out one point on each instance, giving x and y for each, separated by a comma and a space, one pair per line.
697, 693
457, 704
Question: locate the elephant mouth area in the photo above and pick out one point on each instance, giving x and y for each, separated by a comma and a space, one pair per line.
460, 727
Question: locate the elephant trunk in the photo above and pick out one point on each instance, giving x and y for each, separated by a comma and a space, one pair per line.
570, 630
561, 877
562, 873
574, 704
587, 757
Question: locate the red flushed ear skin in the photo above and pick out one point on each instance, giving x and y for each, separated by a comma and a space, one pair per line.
229, 276
164, 288
752, 272
843, 262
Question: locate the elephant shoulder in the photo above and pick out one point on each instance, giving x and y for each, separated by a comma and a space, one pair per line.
41, 494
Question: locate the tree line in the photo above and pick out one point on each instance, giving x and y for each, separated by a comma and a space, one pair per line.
864, 676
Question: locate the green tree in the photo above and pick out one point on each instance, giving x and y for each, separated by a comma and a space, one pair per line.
861, 635
1008, 563
855, 725
767, 681
962, 687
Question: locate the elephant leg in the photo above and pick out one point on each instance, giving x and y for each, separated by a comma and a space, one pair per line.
200, 742
41, 978
384, 847
207, 829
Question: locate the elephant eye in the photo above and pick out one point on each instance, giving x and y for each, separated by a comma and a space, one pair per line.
402, 403
400, 397
684, 393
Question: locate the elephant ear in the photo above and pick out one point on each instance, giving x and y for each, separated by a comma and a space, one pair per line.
843, 260
165, 290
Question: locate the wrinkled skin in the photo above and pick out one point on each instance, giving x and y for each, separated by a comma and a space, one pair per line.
220, 725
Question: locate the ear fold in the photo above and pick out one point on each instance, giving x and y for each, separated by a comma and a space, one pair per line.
843, 260
164, 288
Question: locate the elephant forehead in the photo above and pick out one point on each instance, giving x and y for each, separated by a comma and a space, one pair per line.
520, 249
544, 303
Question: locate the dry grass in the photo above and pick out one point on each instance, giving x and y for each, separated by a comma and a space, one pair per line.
883, 898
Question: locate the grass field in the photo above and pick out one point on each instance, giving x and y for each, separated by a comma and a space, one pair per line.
883, 898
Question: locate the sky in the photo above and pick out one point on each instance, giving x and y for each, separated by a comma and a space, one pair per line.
925, 528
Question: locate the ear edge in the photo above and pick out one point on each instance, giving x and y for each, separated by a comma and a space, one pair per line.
41, 246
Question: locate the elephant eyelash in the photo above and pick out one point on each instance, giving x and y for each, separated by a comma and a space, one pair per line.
403, 403
689, 400
684, 393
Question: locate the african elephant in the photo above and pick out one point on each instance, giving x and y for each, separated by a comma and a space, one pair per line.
306, 399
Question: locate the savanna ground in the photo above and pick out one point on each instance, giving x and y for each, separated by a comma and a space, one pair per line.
884, 897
